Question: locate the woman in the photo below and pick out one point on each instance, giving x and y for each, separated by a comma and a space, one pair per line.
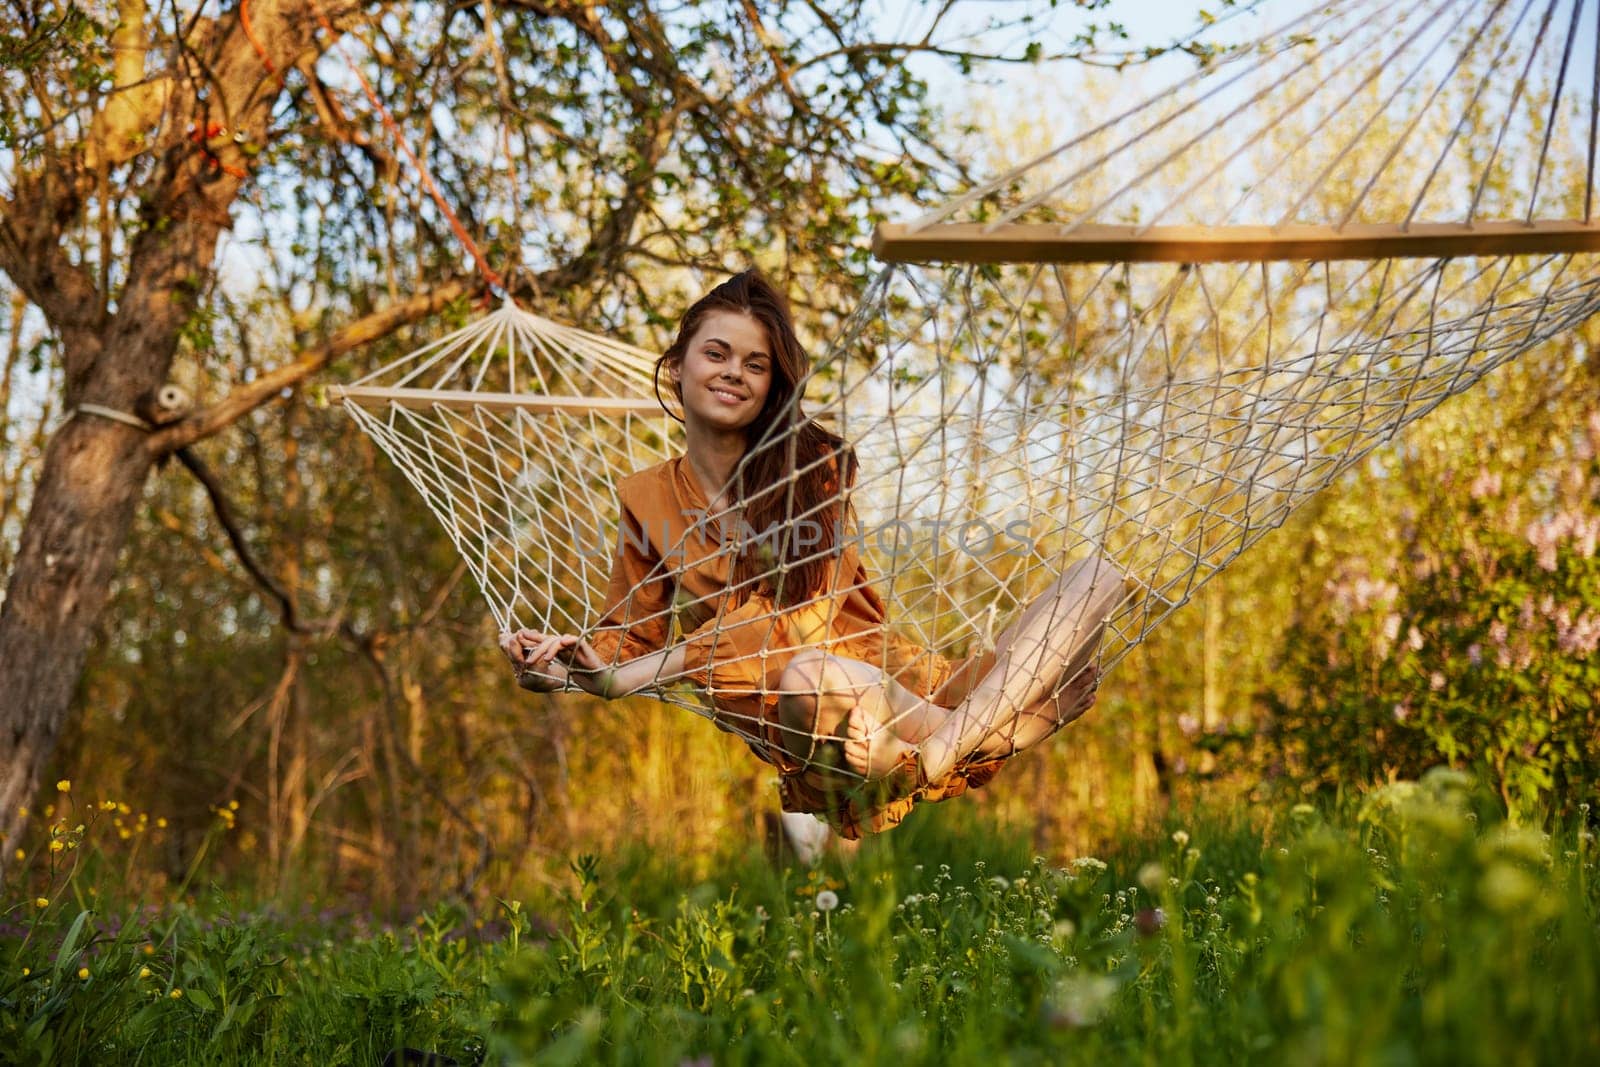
737, 548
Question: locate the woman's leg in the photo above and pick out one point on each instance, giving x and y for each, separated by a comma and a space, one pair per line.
1042, 678
1049, 648
824, 698
1042, 720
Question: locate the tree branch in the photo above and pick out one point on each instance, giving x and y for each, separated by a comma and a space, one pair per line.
248, 397
224, 514
35, 262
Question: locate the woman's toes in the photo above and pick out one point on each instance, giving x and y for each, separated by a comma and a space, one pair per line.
870, 750
857, 742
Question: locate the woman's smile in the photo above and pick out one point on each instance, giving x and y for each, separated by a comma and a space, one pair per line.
725, 372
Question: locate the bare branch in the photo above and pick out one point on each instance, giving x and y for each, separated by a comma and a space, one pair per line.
248, 397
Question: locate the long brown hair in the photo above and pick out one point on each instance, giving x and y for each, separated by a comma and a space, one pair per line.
794, 475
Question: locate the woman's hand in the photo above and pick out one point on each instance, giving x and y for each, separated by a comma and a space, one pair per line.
534, 654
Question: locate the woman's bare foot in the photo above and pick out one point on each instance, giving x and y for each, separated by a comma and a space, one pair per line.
1078, 695
871, 749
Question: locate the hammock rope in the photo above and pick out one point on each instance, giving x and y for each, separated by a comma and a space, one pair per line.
1078, 382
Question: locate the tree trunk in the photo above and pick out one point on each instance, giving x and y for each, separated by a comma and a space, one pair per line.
93, 476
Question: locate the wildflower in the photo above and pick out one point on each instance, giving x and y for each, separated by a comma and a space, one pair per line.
1506, 888
26, 971
144, 972
57, 845
176, 994
1303, 810
1063, 929
64, 786
149, 949
161, 823
827, 900
83, 973
41, 902
1487, 483
20, 855
1180, 838
1151, 875
1149, 921
1000, 883
1079, 1000
108, 805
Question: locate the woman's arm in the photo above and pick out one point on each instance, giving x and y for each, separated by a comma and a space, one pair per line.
549, 662
593, 673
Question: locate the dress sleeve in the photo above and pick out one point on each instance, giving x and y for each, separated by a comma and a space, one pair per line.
635, 619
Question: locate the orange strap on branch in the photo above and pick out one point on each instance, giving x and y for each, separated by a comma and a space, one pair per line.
488, 272
255, 42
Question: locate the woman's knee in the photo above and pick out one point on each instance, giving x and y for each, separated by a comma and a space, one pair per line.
803, 673
818, 673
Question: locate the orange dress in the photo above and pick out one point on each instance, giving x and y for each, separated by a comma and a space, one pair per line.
669, 578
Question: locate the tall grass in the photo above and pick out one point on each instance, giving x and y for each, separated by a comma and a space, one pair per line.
1413, 925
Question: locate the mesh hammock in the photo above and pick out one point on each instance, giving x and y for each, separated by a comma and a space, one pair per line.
1137, 353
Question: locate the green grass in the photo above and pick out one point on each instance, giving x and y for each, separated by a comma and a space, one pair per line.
1413, 927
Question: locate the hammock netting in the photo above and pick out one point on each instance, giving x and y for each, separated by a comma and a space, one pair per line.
1133, 362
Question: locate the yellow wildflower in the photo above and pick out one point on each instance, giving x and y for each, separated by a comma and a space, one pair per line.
42, 902
64, 786
108, 805
175, 994
21, 854
57, 845
144, 972
83, 972
161, 823
233, 805
149, 950
26, 971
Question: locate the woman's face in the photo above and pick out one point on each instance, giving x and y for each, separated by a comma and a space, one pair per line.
726, 371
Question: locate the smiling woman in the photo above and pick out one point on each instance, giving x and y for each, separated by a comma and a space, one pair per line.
732, 573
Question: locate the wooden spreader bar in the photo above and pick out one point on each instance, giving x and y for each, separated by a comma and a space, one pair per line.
978, 242
463, 399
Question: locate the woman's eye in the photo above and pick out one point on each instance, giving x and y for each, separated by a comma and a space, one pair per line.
756, 368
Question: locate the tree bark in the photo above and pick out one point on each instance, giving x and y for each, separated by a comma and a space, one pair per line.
94, 472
